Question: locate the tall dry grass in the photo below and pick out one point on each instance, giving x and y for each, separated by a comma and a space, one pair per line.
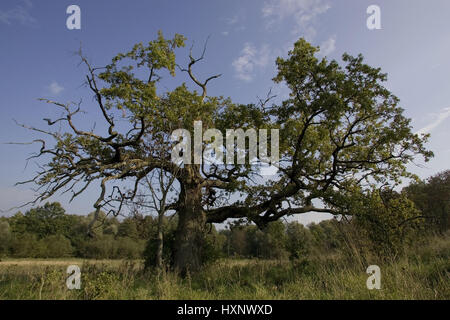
423, 272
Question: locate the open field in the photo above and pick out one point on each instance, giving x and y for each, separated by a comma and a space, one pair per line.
55, 262
422, 275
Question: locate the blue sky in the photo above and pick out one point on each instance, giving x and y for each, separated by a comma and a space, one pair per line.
37, 60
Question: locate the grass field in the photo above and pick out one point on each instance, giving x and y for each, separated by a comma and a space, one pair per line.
422, 275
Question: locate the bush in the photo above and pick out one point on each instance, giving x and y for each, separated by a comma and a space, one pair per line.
98, 248
56, 246
389, 222
24, 246
129, 248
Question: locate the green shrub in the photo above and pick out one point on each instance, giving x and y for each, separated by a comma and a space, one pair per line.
129, 248
56, 246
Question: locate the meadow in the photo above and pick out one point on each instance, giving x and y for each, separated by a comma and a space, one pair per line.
422, 273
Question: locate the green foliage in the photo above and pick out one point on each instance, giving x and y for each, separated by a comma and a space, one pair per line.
213, 246
326, 235
349, 125
47, 220
129, 248
56, 246
249, 241
47, 232
29, 246
5, 235
274, 241
212, 249
298, 241
388, 221
108, 247
169, 229
128, 228
431, 197
24, 245
125, 90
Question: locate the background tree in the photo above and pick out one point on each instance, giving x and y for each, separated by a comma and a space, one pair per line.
298, 240
128, 228
341, 133
432, 198
43, 221
155, 198
5, 234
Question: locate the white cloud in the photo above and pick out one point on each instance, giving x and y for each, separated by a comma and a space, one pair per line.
251, 59
440, 117
225, 33
328, 46
54, 88
304, 13
20, 13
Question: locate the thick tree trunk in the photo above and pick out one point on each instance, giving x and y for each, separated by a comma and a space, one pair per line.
189, 238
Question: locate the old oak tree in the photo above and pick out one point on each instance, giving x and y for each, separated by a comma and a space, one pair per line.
342, 134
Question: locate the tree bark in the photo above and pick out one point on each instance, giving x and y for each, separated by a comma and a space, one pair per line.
189, 237
159, 241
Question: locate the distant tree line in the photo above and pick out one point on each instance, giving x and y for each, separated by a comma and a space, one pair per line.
382, 230
48, 232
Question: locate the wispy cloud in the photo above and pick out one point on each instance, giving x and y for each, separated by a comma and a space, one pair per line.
233, 20
250, 60
439, 118
328, 46
303, 12
20, 13
54, 88
235, 23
